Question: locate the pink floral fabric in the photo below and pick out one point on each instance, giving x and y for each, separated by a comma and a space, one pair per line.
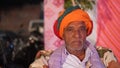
51, 11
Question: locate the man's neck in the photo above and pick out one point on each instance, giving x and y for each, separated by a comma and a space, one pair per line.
78, 53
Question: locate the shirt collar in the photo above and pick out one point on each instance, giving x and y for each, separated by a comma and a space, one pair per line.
86, 43
88, 52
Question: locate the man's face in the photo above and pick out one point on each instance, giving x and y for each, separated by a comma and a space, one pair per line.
75, 35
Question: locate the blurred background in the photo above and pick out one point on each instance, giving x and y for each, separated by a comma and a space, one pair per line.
26, 26
21, 32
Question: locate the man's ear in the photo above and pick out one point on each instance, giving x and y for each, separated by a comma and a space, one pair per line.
63, 34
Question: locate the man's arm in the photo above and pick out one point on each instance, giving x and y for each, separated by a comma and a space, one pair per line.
114, 64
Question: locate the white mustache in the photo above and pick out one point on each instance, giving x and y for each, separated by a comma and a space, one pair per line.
78, 41
81, 43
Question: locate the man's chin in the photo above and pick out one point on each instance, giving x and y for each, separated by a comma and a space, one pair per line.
76, 48
79, 49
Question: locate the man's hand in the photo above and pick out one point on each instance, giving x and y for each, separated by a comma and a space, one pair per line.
108, 57
45, 66
114, 64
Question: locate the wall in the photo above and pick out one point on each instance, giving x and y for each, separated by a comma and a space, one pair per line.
17, 19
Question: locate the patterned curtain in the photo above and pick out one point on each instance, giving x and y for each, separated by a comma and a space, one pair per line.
51, 11
108, 20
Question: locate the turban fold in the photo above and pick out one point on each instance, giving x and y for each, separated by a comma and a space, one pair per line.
71, 14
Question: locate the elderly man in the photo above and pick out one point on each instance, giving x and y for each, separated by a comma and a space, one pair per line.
73, 26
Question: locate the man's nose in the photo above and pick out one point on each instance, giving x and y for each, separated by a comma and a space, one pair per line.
77, 34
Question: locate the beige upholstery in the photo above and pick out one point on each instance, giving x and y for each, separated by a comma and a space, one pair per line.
42, 57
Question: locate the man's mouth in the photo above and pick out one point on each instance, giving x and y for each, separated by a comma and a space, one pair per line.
76, 41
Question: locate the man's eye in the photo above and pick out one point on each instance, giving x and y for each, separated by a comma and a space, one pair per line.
69, 29
82, 28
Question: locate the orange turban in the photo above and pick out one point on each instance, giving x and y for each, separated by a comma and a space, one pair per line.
72, 14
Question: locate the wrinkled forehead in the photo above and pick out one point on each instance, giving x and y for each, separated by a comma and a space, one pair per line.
76, 23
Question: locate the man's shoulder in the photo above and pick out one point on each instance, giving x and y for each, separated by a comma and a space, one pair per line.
58, 52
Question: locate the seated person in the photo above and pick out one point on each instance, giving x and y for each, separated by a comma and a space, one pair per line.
73, 26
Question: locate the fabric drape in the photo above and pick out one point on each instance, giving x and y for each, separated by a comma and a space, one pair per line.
108, 16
